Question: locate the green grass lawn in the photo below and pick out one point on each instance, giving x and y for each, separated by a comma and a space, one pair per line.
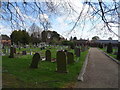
16, 72
110, 54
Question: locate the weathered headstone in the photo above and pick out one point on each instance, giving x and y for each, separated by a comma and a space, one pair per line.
70, 58
61, 62
35, 60
109, 48
24, 53
48, 55
7, 51
77, 52
11, 52
4, 51
14, 50
118, 54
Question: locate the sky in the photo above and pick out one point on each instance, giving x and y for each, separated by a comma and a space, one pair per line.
62, 22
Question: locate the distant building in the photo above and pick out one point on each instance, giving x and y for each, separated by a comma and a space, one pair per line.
106, 41
81, 42
5, 40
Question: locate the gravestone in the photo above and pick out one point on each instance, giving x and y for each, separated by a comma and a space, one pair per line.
118, 54
36, 58
24, 53
77, 52
61, 62
70, 58
11, 52
14, 50
48, 55
5, 51
109, 48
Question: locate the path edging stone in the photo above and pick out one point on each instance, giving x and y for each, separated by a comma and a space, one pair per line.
115, 60
82, 72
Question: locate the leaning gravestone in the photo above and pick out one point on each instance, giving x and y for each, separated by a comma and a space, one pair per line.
70, 58
36, 58
11, 52
24, 53
61, 62
48, 55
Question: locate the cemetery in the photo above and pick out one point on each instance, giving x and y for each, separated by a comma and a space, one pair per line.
59, 44
50, 67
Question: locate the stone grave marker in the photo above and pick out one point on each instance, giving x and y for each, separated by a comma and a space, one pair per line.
70, 58
77, 52
24, 53
48, 55
5, 51
61, 62
35, 60
11, 52
14, 50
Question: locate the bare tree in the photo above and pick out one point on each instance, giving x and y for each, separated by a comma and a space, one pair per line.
15, 13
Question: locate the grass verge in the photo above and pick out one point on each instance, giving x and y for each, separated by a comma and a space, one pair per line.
16, 73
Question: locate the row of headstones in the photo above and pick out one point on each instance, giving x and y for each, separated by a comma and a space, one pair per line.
63, 58
13, 51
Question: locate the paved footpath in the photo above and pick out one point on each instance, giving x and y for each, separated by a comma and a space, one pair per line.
101, 71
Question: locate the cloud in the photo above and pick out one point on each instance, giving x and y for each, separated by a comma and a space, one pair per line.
5, 30
44, 17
